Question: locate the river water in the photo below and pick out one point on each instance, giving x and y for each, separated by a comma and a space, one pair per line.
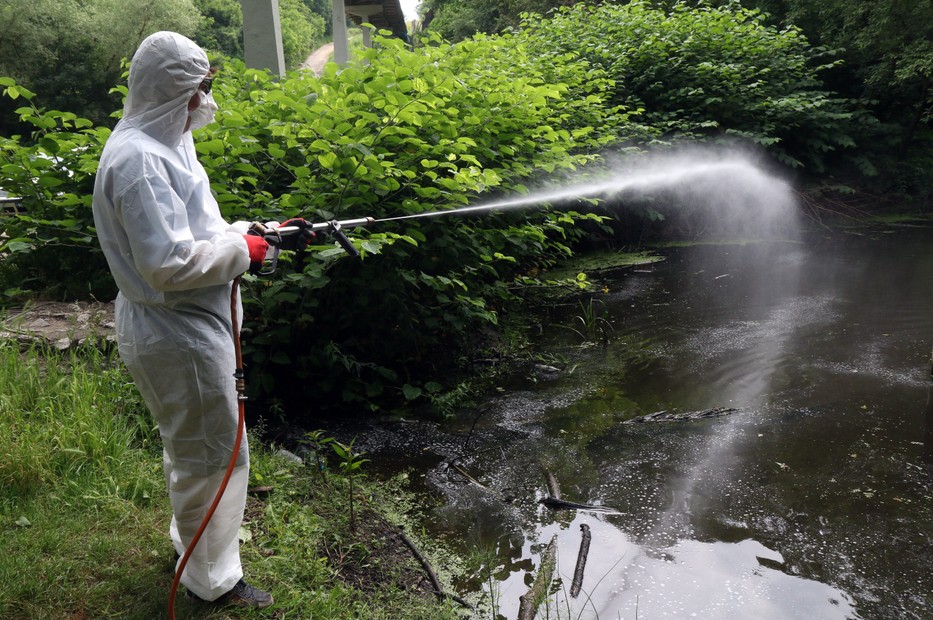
810, 500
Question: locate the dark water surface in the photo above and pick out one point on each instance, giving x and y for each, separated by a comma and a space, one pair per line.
811, 501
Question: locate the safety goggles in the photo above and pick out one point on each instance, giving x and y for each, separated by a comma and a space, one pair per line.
205, 85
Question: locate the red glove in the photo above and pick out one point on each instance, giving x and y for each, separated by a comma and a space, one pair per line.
257, 248
300, 240
295, 221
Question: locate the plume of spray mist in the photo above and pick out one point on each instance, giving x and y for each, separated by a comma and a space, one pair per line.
725, 188
723, 191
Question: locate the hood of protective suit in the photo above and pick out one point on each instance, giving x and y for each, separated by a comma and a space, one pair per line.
164, 74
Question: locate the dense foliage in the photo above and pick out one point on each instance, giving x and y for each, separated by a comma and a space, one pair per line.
708, 73
49, 241
406, 132
887, 47
401, 133
878, 54
71, 52
888, 53
455, 20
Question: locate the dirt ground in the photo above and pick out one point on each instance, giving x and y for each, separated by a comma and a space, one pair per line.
58, 324
318, 58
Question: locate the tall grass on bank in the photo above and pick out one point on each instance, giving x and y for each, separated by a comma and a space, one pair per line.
84, 512
72, 417
79, 466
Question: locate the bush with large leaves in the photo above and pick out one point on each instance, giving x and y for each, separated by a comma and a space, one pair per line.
401, 133
48, 245
709, 72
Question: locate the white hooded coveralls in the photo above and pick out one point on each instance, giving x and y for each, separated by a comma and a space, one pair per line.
173, 258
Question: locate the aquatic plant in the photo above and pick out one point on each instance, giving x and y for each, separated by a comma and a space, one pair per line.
595, 326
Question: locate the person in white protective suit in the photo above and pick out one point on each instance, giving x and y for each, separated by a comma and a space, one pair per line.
174, 258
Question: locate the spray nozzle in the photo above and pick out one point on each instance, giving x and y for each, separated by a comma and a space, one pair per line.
296, 237
334, 229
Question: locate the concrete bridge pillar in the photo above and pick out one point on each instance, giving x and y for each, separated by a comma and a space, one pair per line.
262, 35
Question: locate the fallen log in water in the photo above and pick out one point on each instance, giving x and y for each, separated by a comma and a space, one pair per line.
554, 501
561, 504
552, 485
674, 416
577, 582
529, 603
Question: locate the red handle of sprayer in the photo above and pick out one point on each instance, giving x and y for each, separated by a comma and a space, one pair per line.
275, 236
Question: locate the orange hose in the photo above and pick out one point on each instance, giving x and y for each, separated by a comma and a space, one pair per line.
241, 425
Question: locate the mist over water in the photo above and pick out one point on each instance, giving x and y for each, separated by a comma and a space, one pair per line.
724, 191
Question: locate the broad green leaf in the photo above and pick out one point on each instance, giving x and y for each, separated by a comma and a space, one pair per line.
411, 392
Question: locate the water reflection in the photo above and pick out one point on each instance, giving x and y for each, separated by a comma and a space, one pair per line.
809, 502
696, 579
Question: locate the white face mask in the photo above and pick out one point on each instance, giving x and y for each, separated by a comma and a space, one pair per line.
204, 113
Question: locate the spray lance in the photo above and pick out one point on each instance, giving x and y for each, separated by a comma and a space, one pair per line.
296, 234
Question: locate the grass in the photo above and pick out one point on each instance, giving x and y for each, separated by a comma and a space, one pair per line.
84, 513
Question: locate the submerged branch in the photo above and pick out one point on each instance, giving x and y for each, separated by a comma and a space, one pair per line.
673, 416
581, 561
529, 603
432, 576
424, 563
470, 478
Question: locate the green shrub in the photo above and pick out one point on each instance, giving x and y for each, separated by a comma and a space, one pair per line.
400, 133
49, 245
709, 73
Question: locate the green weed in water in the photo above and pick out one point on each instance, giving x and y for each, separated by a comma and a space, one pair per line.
594, 326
